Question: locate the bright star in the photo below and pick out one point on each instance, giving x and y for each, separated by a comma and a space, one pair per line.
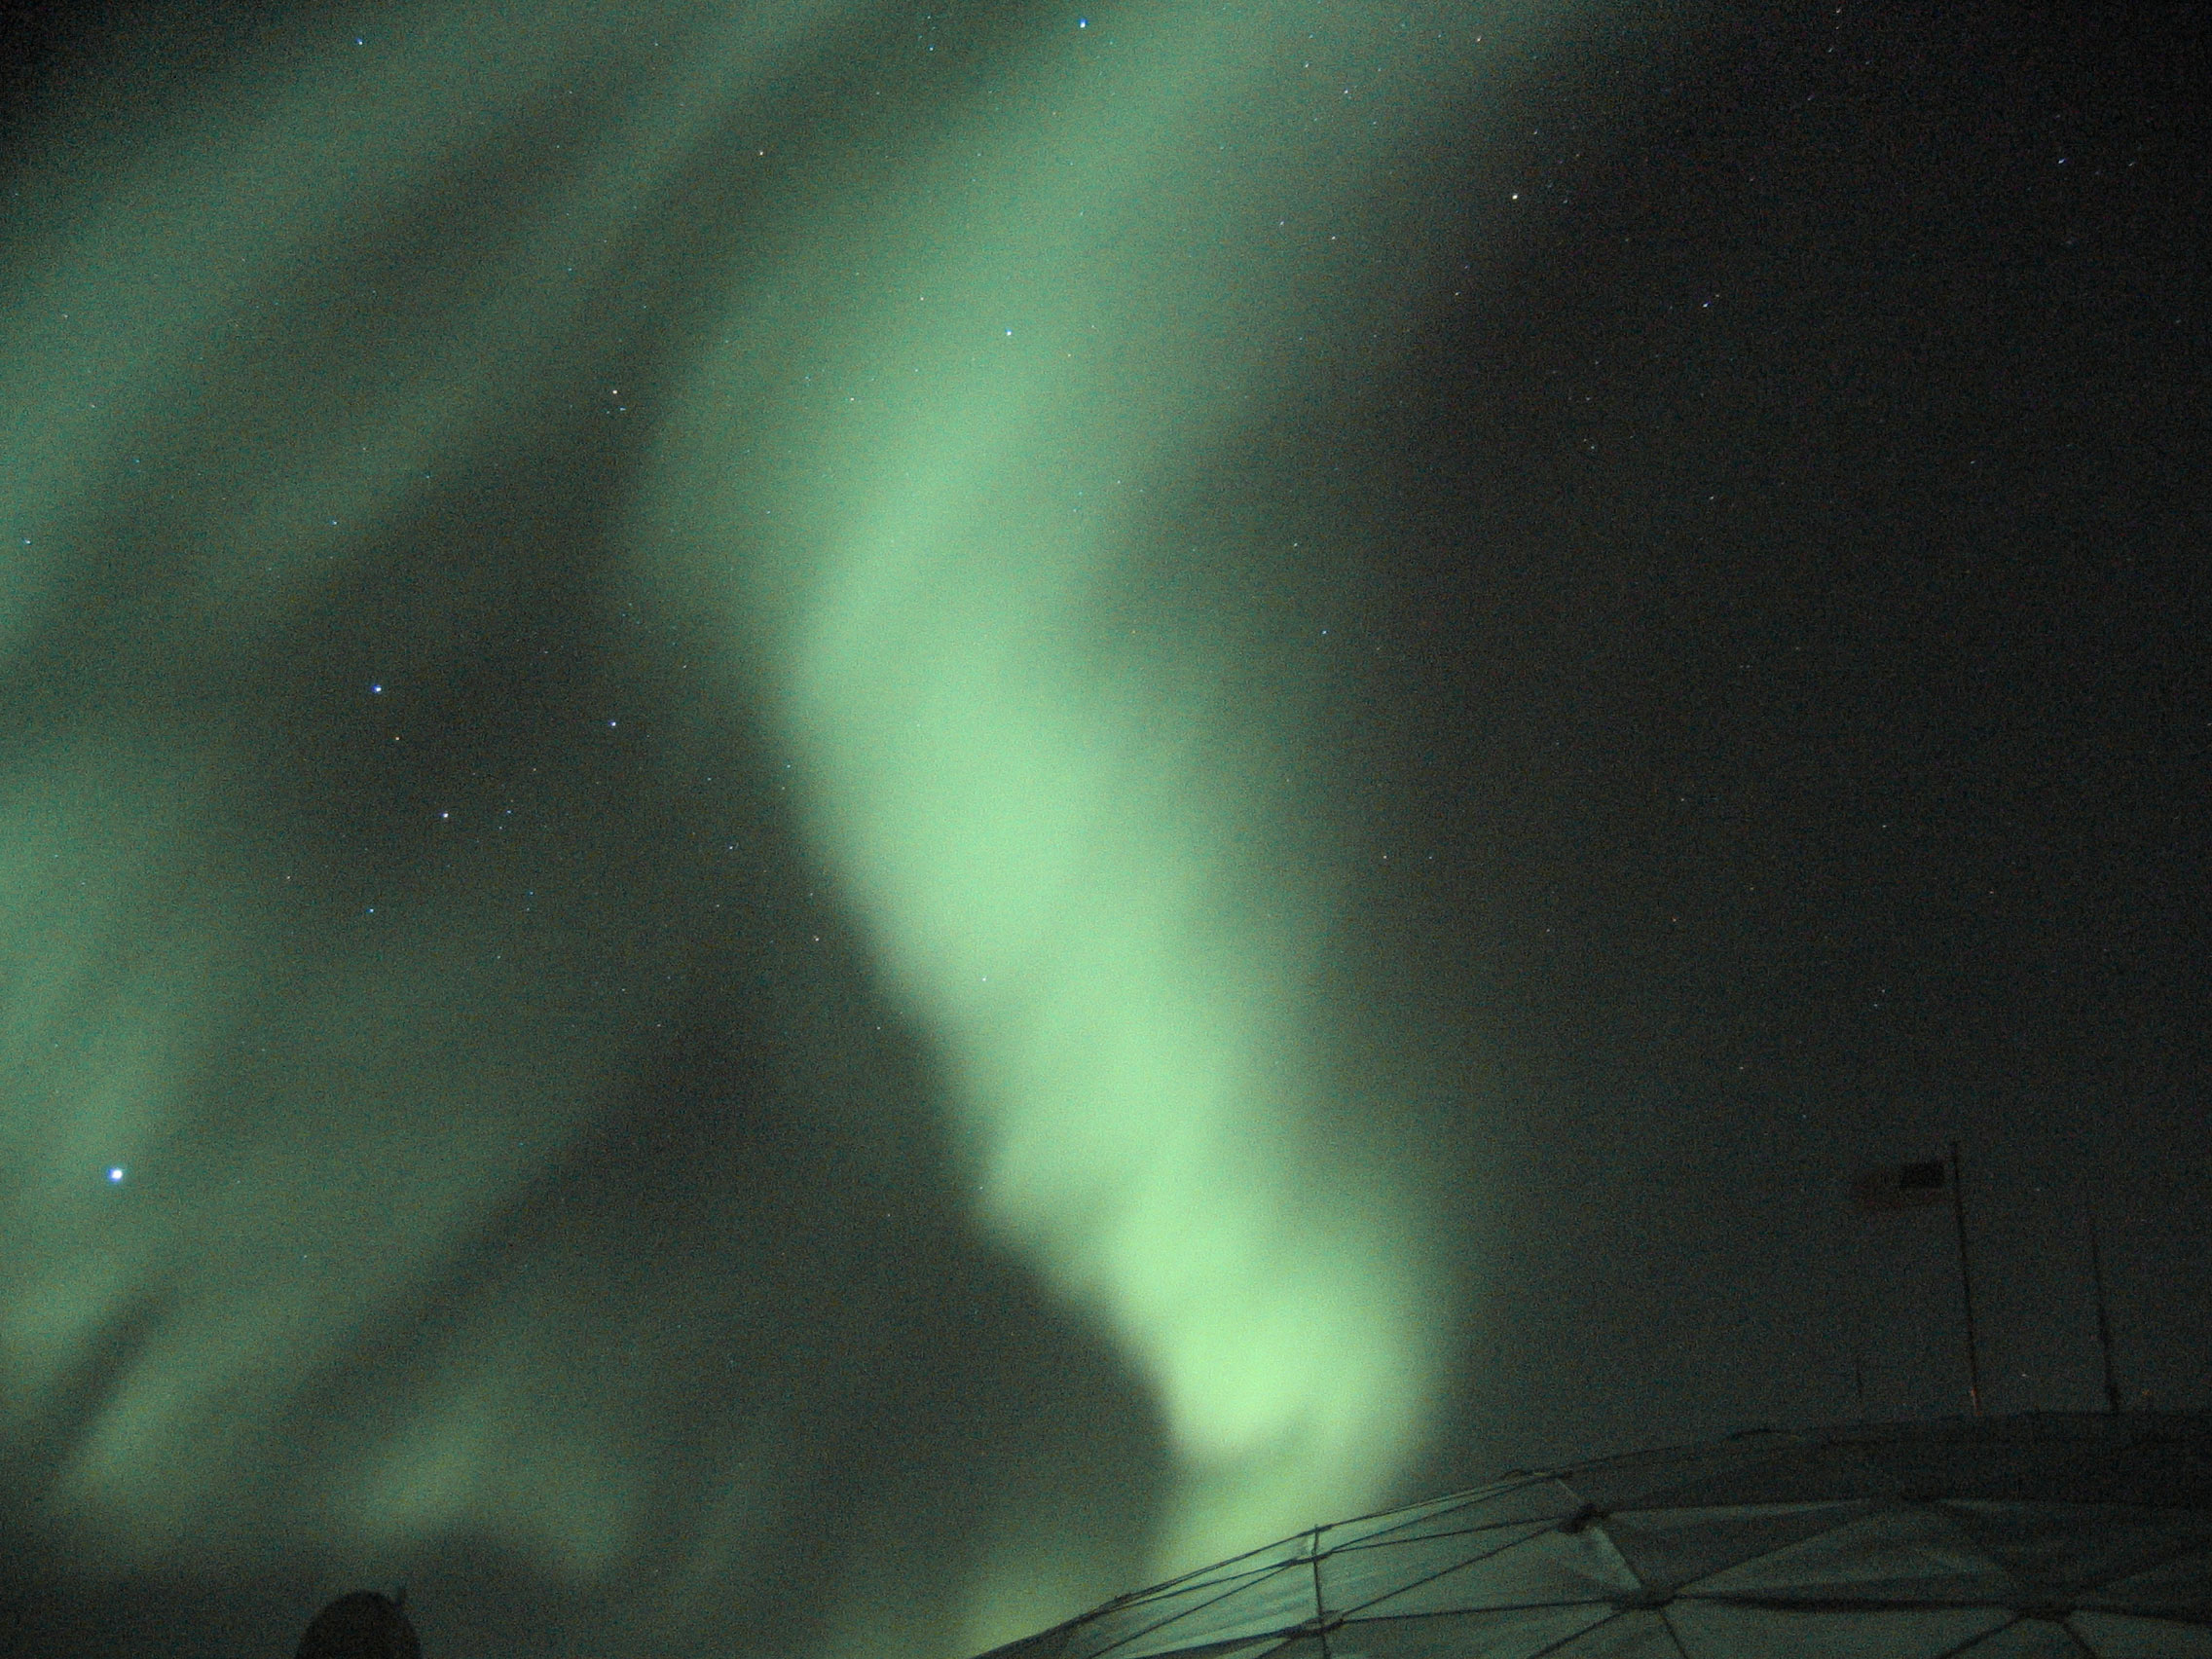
115, 1172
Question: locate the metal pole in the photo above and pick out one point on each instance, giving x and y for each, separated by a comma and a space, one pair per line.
1320, 1607
1965, 1284
2104, 1318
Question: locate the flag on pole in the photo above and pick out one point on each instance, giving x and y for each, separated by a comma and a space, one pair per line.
1921, 1185
1904, 1186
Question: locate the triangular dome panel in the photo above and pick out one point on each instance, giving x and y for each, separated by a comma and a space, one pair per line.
1547, 1568
1357, 1580
1634, 1635
1668, 1548
2057, 1548
2118, 1635
2026, 1639
1718, 1630
1269, 1603
1507, 1633
2178, 1586
1898, 1555
1508, 1503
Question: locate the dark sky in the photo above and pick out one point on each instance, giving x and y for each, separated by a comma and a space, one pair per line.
1582, 625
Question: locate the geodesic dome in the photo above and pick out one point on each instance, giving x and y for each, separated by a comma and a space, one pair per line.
2024, 1537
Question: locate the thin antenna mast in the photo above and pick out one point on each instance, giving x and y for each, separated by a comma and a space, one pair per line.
2104, 1318
1965, 1283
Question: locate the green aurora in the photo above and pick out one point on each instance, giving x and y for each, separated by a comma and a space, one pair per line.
921, 375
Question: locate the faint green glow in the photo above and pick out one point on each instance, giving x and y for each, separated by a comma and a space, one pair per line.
1071, 852
932, 478
158, 326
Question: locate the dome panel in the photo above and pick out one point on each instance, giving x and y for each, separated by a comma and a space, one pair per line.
1668, 1548
1355, 1579
1209, 1583
2063, 1547
1720, 1631
1252, 1564
1241, 1648
1045, 1645
1498, 1505
1548, 1567
1271, 1603
1499, 1632
2026, 1639
2118, 1635
1638, 1634
1505, 1504
2181, 1586
1895, 1555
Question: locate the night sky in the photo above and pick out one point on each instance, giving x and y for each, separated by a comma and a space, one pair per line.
824, 823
